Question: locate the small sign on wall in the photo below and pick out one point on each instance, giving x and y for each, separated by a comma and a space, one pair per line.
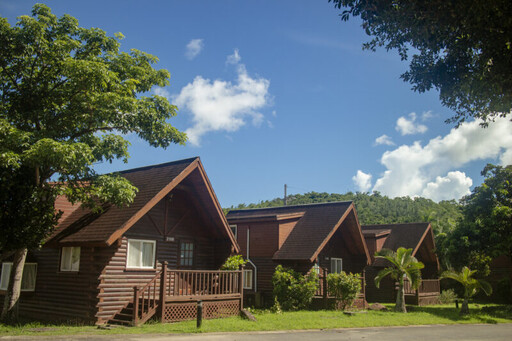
169, 239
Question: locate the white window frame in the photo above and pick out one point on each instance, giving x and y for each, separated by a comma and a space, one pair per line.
128, 266
64, 267
335, 265
8, 273
234, 229
248, 285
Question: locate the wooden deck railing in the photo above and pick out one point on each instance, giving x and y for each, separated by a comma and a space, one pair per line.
146, 300
200, 283
427, 287
323, 289
184, 285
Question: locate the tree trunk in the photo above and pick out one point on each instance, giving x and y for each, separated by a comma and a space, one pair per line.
464, 309
400, 297
10, 309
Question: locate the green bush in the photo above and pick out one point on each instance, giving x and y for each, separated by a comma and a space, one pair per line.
293, 290
344, 287
447, 296
233, 263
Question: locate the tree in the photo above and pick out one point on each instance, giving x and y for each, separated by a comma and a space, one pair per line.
68, 95
292, 290
486, 226
403, 266
461, 48
471, 285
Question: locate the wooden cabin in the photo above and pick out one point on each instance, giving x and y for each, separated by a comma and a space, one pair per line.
156, 257
324, 236
420, 238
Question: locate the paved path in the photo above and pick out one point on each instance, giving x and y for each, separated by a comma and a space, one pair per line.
433, 332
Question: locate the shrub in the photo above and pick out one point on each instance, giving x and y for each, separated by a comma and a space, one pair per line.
344, 287
233, 263
447, 296
293, 290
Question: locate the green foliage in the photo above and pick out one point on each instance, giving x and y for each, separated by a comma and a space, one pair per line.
447, 296
344, 287
293, 290
460, 48
68, 95
485, 228
233, 263
471, 285
403, 266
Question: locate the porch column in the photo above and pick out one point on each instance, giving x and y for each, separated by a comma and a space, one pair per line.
163, 291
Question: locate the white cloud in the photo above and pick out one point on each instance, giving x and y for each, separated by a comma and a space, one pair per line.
162, 92
222, 105
427, 115
408, 126
234, 58
411, 168
194, 47
454, 185
363, 181
384, 139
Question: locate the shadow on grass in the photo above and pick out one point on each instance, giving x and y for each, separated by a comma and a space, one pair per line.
487, 314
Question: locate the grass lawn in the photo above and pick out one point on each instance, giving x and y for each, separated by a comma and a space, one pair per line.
324, 319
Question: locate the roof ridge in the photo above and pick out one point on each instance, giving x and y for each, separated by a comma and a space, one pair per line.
165, 164
392, 224
292, 206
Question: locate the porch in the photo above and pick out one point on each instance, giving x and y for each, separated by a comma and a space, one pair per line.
173, 295
427, 293
322, 299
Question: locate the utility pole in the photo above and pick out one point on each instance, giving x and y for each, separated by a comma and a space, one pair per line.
285, 194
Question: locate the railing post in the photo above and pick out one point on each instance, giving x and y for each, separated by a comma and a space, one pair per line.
364, 289
163, 291
325, 293
135, 306
241, 287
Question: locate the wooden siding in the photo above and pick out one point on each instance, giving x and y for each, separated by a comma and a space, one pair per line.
285, 227
64, 295
183, 222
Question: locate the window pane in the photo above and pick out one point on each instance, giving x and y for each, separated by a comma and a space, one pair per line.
147, 254
28, 281
75, 258
65, 261
6, 273
134, 253
247, 279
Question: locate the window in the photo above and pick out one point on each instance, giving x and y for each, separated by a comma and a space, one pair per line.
28, 279
248, 279
234, 229
336, 265
141, 254
70, 258
186, 253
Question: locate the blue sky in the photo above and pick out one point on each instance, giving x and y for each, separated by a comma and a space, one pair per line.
275, 92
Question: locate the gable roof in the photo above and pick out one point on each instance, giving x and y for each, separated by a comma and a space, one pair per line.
316, 225
408, 235
153, 183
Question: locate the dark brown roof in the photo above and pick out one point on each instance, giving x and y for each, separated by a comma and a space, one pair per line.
408, 235
313, 230
153, 183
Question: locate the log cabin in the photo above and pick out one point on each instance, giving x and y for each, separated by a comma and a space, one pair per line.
420, 238
154, 258
326, 237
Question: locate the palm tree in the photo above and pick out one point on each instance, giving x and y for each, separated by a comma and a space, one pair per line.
471, 285
403, 266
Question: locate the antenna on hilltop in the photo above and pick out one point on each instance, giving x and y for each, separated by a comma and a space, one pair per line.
285, 186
